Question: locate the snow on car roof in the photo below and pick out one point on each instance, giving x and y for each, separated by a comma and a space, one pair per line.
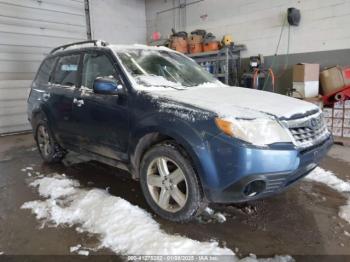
116, 47
139, 46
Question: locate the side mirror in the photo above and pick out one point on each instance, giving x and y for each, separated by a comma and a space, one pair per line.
107, 86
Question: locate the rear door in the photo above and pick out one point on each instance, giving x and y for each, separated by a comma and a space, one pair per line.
61, 91
103, 119
39, 90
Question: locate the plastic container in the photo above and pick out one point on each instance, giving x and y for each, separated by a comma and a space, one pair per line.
196, 48
179, 44
211, 46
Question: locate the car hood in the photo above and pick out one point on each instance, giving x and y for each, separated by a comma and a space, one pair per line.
237, 102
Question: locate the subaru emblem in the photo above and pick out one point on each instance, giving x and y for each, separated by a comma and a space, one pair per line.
313, 123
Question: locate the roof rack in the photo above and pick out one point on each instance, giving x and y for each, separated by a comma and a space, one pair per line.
95, 42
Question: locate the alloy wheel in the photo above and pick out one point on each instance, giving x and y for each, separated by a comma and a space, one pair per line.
167, 184
44, 141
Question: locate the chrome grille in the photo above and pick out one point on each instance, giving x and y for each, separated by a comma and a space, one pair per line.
308, 131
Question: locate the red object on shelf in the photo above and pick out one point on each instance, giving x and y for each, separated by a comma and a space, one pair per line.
340, 95
347, 73
156, 36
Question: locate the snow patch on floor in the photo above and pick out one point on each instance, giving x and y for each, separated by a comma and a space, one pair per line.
121, 226
80, 250
83, 252
331, 180
27, 169
328, 178
74, 248
209, 216
344, 211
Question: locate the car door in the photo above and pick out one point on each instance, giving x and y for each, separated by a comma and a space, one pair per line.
61, 91
102, 118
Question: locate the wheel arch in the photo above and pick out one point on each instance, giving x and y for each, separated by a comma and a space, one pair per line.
41, 113
37, 115
149, 139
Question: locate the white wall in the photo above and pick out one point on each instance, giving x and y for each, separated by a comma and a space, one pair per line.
118, 21
325, 24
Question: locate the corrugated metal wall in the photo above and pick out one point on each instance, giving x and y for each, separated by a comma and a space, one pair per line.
29, 29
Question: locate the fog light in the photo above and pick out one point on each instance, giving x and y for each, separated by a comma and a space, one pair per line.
254, 188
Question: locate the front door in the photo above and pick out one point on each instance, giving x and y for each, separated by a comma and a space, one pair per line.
61, 91
102, 119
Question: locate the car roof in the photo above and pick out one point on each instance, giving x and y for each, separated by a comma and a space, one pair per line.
98, 44
139, 47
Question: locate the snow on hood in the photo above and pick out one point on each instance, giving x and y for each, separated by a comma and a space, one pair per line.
237, 102
159, 83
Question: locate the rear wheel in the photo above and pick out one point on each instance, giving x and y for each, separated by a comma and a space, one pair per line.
170, 184
49, 150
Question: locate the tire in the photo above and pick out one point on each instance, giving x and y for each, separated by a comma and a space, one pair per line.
49, 149
164, 171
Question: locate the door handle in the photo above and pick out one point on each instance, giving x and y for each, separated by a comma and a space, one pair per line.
78, 102
46, 96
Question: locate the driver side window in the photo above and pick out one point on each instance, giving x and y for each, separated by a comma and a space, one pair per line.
96, 65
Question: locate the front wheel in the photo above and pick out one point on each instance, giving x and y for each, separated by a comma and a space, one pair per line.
170, 184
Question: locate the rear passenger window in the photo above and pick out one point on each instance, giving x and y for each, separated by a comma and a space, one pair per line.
45, 70
66, 71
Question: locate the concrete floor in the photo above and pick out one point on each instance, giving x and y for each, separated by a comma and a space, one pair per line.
301, 221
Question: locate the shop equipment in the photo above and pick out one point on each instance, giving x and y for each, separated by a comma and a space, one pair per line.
257, 75
224, 64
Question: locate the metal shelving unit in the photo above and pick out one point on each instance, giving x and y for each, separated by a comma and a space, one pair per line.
225, 62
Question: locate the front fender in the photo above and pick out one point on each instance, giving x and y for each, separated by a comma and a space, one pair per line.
190, 135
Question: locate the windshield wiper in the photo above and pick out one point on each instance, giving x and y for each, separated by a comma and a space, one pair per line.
165, 85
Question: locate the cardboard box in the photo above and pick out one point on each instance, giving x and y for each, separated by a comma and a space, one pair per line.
346, 132
347, 104
332, 80
346, 113
303, 72
337, 122
337, 119
327, 112
338, 113
307, 89
337, 131
328, 121
346, 123
339, 105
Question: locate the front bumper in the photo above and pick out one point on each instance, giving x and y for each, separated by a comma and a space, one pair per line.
278, 168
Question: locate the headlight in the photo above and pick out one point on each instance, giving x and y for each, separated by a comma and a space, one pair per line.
260, 131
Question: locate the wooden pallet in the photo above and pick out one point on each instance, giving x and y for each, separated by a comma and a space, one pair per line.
345, 141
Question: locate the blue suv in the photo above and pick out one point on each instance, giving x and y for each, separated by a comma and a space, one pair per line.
189, 139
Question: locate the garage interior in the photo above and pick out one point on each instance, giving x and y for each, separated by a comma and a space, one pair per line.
293, 48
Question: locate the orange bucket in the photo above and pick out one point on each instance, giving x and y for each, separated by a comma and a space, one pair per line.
195, 39
179, 44
211, 46
196, 48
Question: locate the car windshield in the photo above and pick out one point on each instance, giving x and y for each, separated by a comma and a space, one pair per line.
153, 68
